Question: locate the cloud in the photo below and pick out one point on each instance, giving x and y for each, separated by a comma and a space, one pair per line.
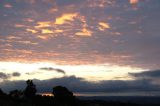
85, 32
152, 75
32, 31
43, 24
16, 74
8, 6
53, 69
65, 18
134, 1
77, 84
99, 48
47, 31
147, 74
103, 26
33, 73
4, 75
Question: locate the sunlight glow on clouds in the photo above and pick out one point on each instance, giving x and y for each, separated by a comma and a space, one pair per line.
81, 32
31, 30
134, 1
47, 31
44, 24
65, 18
103, 26
84, 32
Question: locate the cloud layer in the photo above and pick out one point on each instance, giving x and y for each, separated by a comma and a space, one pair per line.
81, 32
80, 85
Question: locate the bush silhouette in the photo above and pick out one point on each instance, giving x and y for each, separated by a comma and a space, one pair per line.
30, 90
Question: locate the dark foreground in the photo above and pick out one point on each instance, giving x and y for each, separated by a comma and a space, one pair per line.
39, 100
64, 97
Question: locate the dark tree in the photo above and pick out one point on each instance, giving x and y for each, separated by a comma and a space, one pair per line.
63, 96
30, 90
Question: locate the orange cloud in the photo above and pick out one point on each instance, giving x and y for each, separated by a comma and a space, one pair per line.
43, 37
134, 1
31, 30
103, 26
47, 31
65, 18
43, 24
58, 31
84, 32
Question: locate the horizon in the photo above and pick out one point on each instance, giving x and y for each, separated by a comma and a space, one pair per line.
107, 46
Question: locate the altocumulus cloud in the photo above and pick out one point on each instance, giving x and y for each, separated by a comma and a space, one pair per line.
77, 84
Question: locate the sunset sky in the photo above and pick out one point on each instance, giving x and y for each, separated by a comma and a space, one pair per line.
110, 46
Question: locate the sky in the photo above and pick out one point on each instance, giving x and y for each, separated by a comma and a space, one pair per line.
109, 46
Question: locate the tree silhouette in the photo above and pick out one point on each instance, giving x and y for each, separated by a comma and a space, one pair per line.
63, 96
30, 90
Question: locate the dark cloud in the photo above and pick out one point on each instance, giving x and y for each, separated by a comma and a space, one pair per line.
147, 74
77, 84
16, 74
4, 75
53, 69
8, 76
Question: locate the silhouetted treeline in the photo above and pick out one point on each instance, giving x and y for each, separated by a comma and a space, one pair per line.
62, 97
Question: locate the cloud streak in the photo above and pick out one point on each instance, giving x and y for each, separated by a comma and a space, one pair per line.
147, 74
53, 69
